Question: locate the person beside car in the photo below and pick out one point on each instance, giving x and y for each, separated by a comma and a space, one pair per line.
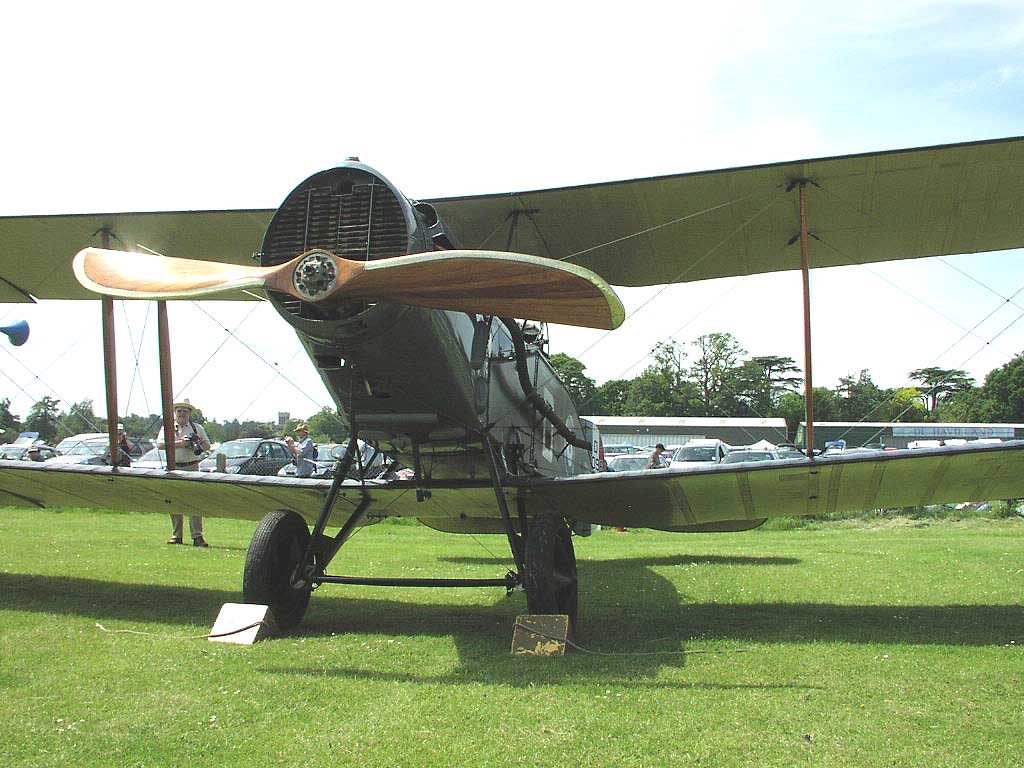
654, 461
304, 452
190, 443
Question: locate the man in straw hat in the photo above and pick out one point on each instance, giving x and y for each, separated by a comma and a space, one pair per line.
304, 452
190, 443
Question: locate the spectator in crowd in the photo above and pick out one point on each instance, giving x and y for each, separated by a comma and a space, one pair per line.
655, 461
304, 452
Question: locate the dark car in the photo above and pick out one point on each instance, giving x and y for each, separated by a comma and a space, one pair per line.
249, 456
327, 456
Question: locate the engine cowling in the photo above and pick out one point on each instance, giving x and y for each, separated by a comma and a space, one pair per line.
403, 370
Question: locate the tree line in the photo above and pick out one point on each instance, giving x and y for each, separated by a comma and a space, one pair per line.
714, 377
711, 376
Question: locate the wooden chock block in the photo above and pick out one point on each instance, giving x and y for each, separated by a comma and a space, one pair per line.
540, 635
242, 624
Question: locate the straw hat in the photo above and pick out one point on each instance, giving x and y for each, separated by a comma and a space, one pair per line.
185, 404
303, 427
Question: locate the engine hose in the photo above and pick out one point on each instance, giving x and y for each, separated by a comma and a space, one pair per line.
534, 398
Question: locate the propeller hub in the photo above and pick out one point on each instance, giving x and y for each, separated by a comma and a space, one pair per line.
315, 275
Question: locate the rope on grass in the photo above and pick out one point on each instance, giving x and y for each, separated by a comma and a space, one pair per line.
180, 637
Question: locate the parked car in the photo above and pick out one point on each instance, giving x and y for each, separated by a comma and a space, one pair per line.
152, 459
20, 452
743, 456
139, 446
620, 449
86, 448
633, 463
93, 447
787, 454
249, 456
327, 456
699, 453
852, 451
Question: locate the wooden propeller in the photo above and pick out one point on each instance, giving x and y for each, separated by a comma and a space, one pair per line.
487, 282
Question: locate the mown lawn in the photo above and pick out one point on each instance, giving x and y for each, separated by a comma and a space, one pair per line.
842, 644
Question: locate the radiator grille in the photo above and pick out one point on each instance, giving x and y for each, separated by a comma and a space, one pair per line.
349, 213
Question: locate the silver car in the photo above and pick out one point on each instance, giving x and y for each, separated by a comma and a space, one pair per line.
742, 457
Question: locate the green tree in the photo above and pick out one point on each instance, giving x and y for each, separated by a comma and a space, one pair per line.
572, 373
662, 389
791, 408
860, 399
610, 398
648, 395
712, 371
774, 378
1002, 394
80, 418
43, 418
938, 384
10, 425
142, 426
257, 429
963, 406
904, 405
214, 431
326, 426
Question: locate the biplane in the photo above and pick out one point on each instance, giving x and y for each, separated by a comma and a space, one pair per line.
421, 317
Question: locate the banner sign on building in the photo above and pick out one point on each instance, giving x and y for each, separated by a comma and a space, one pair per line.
924, 430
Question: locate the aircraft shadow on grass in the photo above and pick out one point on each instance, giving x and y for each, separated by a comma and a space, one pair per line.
630, 627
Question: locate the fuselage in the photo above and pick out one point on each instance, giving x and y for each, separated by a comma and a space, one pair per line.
425, 384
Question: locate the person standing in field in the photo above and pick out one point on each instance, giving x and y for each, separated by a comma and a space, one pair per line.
189, 444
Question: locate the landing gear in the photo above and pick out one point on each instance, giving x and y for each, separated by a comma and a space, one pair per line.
274, 572
550, 579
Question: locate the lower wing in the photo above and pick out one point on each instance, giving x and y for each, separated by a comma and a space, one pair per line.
725, 497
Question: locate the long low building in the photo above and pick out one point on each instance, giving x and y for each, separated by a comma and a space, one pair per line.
893, 435
643, 431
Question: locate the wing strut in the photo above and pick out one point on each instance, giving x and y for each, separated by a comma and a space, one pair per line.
163, 343
805, 273
110, 366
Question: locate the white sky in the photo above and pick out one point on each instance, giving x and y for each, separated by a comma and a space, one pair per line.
112, 106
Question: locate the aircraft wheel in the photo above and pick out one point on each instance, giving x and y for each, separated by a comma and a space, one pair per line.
551, 582
272, 566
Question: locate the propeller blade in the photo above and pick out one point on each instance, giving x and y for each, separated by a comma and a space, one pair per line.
491, 283
487, 282
131, 275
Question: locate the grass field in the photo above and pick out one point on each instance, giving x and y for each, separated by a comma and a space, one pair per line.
841, 644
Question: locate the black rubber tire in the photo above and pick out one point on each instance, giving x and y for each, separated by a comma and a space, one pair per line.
274, 555
551, 581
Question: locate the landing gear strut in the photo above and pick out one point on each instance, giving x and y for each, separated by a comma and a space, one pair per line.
286, 561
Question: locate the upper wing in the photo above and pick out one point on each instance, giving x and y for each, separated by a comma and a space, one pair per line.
729, 497
36, 251
957, 198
